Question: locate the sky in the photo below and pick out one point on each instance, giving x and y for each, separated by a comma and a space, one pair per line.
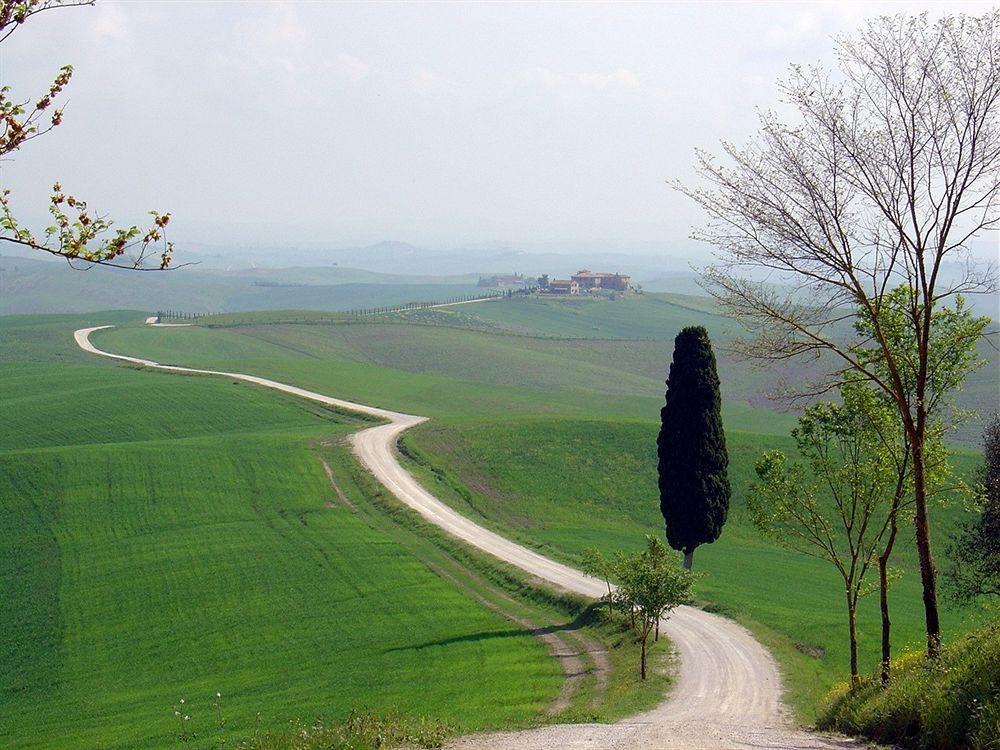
437, 124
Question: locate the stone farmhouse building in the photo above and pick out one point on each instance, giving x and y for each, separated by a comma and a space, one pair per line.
591, 281
563, 286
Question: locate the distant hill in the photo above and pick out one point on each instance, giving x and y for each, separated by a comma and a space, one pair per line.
28, 285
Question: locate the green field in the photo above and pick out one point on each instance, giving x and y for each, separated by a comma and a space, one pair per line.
550, 437
172, 537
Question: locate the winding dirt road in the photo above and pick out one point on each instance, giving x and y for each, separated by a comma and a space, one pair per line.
728, 690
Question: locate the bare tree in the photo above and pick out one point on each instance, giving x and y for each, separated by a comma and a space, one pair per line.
76, 233
890, 170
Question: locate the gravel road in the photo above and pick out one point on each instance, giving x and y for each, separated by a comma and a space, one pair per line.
728, 688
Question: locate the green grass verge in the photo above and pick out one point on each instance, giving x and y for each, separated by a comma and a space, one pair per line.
612, 689
952, 703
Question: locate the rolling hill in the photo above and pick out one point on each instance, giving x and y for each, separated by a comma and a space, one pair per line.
168, 538
550, 437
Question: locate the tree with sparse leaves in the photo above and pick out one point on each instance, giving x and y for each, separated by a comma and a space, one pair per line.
76, 233
888, 171
835, 503
693, 461
951, 356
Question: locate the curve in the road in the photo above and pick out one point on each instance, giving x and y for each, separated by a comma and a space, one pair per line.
728, 690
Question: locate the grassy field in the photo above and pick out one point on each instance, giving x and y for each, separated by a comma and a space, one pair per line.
172, 537
552, 440
455, 372
653, 316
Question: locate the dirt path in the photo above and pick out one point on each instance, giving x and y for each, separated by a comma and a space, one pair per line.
728, 691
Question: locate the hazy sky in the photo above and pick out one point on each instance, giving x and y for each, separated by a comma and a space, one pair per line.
430, 123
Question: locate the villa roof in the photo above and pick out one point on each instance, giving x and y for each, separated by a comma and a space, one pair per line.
595, 274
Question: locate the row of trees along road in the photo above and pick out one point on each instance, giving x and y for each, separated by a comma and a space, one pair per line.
863, 208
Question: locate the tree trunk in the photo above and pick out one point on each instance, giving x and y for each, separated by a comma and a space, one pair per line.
852, 627
642, 657
923, 536
883, 598
688, 558
656, 636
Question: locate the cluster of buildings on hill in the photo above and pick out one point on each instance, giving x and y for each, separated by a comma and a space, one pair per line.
582, 282
587, 282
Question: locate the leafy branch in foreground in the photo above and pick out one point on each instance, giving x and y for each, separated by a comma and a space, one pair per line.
76, 234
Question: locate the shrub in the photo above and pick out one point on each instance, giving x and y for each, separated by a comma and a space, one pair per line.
953, 702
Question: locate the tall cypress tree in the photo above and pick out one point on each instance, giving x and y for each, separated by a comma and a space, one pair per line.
694, 485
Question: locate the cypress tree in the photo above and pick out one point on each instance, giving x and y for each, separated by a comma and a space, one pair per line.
694, 485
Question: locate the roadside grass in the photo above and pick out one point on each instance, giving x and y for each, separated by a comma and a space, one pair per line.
611, 689
170, 537
951, 704
361, 730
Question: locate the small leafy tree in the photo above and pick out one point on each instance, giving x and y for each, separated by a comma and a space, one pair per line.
693, 461
652, 584
76, 232
975, 553
649, 586
837, 502
597, 565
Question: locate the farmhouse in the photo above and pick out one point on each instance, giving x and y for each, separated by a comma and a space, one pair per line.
590, 281
563, 286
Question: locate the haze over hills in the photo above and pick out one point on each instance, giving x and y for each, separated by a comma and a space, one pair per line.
642, 260
234, 279
316, 276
